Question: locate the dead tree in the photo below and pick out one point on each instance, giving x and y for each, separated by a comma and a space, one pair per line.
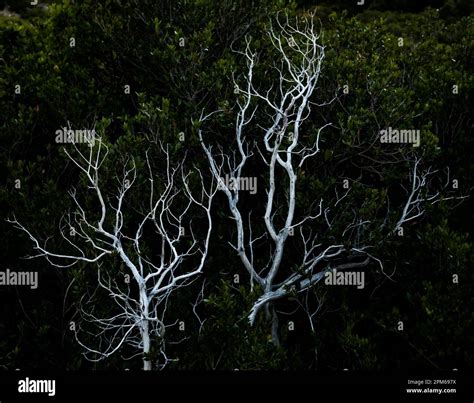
98, 235
283, 151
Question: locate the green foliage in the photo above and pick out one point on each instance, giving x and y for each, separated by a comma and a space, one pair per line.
226, 341
177, 58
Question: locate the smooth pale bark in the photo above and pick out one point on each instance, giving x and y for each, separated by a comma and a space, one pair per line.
289, 106
139, 316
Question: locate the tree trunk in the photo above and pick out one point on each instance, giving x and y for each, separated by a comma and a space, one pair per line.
146, 345
145, 330
273, 317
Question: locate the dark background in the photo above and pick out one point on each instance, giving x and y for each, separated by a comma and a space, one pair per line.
134, 43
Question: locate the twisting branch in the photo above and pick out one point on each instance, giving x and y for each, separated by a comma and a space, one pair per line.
419, 196
301, 55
